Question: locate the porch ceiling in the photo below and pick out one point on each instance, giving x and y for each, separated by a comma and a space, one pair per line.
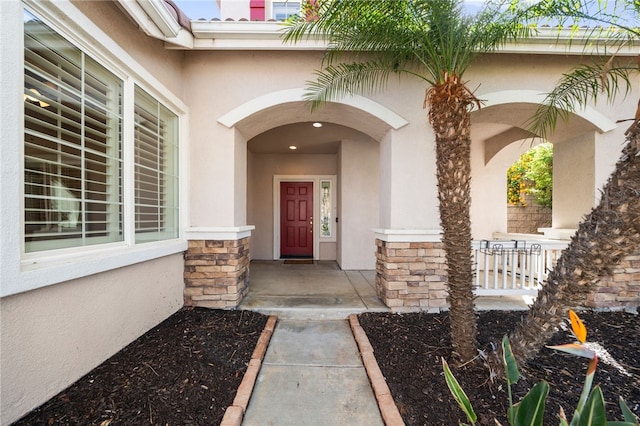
500, 125
307, 139
517, 115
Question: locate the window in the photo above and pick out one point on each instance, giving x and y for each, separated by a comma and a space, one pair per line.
74, 152
325, 209
284, 9
156, 178
72, 144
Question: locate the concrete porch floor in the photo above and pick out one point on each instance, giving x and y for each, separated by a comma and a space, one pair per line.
322, 291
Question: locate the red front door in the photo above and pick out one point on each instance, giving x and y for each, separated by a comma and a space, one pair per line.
296, 219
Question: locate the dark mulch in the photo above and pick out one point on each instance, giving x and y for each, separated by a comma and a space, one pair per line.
185, 371
409, 348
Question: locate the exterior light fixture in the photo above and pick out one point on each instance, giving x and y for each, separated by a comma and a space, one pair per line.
293, 147
317, 124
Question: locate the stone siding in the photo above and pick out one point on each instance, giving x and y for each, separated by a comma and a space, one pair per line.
622, 289
216, 273
411, 276
527, 219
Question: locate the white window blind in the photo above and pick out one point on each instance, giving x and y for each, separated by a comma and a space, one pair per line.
72, 148
156, 170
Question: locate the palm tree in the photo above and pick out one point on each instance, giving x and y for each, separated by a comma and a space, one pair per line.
611, 231
434, 41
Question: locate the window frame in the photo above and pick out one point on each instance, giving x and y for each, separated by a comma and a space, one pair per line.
22, 271
286, 4
75, 144
169, 206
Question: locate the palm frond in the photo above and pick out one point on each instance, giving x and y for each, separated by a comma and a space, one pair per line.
435, 34
618, 20
347, 78
576, 89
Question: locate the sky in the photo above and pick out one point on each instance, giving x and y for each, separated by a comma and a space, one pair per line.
208, 9
196, 9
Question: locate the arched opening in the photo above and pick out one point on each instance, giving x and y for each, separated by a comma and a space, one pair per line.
499, 137
530, 191
342, 157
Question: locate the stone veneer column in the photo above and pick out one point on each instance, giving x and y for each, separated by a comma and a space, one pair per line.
411, 276
216, 271
620, 290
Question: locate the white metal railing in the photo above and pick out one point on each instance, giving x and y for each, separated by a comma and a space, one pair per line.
513, 267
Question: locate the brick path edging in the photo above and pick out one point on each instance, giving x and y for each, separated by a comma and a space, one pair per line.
386, 404
234, 414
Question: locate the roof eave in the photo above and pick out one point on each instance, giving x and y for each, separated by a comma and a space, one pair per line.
247, 35
155, 20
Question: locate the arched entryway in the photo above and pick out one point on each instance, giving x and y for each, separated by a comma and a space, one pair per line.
341, 157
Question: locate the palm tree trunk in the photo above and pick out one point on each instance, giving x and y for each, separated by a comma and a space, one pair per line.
606, 236
449, 115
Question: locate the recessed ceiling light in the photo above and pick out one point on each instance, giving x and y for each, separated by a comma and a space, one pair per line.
316, 124
292, 147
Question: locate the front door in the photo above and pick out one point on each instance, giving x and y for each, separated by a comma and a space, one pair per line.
296, 219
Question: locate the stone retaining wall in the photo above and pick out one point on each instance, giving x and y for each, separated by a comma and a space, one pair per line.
527, 219
216, 273
411, 276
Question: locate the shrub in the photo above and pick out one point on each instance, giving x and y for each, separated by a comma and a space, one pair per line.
532, 174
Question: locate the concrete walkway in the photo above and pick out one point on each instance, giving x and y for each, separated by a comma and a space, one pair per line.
312, 374
321, 291
318, 291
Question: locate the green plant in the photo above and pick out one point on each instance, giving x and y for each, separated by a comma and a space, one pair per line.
517, 183
540, 172
532, 173
530, 410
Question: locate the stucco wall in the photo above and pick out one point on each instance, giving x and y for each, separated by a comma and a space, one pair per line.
237, 9
218, 82
165, 64
359, 202
574, 187
489, 188
215, 83
53, 336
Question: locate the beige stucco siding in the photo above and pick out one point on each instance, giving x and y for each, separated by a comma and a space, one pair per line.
218, 82
359, 205
165, 64
53, 336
